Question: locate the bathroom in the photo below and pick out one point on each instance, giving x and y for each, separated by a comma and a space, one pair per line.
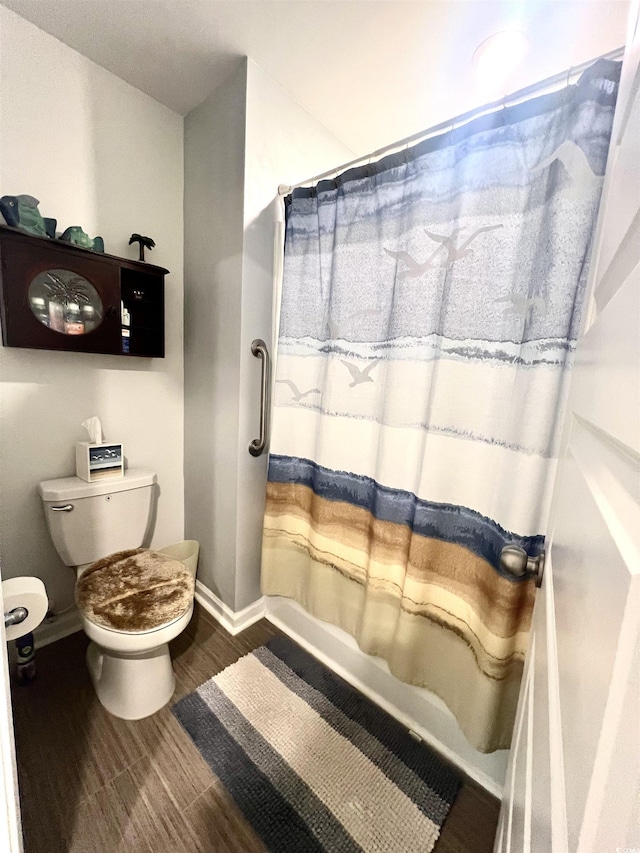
197, 166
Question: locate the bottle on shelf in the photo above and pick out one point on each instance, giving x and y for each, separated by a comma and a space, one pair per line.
40, 309
73, 322
56, 316
125, 321
89, 317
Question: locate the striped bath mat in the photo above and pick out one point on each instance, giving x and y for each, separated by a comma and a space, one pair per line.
313, 764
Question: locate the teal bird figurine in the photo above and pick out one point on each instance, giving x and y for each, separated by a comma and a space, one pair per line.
21, 211
74, 234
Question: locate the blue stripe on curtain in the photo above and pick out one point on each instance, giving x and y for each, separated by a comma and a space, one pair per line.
446, 522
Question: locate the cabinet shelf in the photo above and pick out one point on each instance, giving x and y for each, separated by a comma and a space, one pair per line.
51, 291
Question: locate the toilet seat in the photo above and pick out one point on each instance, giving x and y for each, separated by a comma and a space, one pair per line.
129, 643
135, 592
145, 632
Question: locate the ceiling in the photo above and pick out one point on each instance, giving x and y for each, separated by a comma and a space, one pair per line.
371, 72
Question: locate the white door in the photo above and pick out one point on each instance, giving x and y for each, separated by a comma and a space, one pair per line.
10, 830
573, 782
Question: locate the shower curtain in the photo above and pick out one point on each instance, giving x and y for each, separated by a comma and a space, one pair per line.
430, 307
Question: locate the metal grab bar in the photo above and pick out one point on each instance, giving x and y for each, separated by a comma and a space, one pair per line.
259, 349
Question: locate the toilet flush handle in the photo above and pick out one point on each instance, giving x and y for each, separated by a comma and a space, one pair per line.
65, 508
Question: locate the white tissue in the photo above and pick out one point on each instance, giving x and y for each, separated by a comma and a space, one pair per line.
94, 428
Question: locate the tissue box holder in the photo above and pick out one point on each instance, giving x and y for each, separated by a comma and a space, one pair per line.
99, 461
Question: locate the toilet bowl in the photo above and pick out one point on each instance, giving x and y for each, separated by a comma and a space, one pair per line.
131, 670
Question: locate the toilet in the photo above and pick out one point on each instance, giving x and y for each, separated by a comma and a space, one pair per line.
130, 669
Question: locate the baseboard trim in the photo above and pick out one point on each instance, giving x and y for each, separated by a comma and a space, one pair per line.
231, 621
58, 628
362, 672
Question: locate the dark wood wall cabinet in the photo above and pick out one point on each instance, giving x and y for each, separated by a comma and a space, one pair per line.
57, 296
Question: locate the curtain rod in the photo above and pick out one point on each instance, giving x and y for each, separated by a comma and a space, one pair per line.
463, 118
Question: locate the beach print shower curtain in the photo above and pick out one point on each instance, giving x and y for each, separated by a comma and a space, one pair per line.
430, 308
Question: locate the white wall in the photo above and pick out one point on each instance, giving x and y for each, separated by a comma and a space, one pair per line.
248, 137
100, 154
213, 206
284, 144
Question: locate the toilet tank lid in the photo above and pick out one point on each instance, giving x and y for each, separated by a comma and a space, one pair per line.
68, 488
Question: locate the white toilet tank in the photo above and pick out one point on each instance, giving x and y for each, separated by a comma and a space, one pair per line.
88, 521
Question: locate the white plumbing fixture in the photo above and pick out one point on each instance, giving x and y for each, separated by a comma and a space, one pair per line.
131, 670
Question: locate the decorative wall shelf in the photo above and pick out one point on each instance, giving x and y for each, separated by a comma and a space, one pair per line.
58, 296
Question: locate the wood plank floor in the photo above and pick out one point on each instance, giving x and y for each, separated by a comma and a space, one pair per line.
91, 783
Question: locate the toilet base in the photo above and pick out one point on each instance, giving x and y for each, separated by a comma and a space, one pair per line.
131, 686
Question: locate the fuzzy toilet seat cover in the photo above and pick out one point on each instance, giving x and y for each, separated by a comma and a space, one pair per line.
136, 590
